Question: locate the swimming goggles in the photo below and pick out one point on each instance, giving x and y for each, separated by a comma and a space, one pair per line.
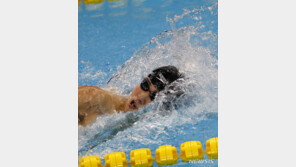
145, 86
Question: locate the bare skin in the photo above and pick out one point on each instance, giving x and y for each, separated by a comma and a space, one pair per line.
94, 101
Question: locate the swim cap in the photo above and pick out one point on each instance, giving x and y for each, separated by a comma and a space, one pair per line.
163, 76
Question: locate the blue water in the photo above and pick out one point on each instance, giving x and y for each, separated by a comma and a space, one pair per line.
124, 40
109, 35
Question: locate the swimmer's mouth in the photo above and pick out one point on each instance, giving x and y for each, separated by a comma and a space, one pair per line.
132, 105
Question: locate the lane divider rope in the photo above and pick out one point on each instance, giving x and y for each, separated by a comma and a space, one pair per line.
164, 155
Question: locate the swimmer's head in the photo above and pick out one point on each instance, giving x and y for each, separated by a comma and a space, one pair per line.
158, 80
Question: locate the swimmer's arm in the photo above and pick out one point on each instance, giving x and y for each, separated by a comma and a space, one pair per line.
92, 99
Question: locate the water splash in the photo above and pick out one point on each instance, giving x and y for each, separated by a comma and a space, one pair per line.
88, 73
192, 49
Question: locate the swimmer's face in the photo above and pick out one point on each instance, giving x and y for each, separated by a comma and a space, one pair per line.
142, 95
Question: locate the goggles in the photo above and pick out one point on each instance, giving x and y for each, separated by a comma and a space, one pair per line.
145, 86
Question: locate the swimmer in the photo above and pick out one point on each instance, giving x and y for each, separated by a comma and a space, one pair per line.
94, 101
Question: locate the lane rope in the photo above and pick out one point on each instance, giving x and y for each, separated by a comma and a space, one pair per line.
164, 155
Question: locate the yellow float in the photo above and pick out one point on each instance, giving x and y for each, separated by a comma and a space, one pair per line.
191, 150
166, 155
141, 158
117, 159
212, 148
90, 161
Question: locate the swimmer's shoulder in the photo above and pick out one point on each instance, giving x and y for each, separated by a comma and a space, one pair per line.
89, 89
94, 93
92, 98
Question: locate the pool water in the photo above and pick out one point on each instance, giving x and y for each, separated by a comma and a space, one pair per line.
120, 42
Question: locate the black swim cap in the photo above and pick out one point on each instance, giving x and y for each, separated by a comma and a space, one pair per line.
163, 76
